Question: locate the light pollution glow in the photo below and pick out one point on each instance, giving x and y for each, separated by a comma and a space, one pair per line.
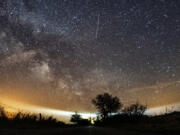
170, 96
14, 107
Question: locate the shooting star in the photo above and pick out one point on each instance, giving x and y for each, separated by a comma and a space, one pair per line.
97, 28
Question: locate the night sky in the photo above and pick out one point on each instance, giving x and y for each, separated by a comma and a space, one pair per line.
62, 53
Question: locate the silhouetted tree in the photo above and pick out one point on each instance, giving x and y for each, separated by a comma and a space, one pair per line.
106, 104
75, 118
2, 113
135, 109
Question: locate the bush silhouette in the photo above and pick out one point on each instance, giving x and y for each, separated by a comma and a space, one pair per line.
75, 118
2, 114
78, 120
25, 120
106, 104
135, 109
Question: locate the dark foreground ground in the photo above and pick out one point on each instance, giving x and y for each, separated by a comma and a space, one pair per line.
90, 130
25, 124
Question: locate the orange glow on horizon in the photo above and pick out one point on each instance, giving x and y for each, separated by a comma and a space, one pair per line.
13, 107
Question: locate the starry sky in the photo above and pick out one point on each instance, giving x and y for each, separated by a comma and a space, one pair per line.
62, 53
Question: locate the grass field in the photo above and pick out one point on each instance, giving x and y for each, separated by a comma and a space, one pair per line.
90, 130
120, 124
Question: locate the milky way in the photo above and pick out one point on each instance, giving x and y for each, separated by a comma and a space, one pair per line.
62, 53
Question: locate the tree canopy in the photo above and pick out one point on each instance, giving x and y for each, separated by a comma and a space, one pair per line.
106, 104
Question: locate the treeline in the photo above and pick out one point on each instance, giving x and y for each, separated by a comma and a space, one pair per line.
111, 112
108, 107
